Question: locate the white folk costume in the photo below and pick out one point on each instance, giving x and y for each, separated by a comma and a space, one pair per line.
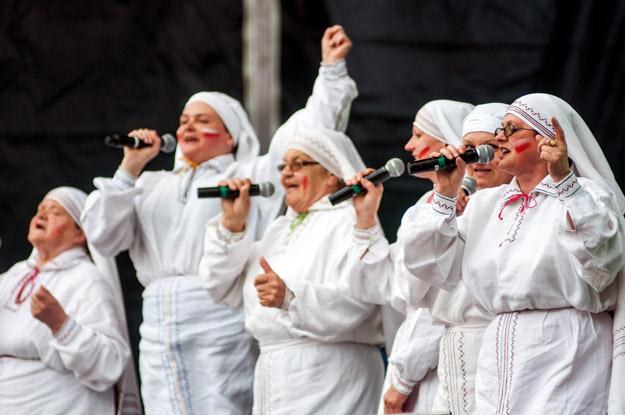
73, 371
549, 348
195, 355
316, 356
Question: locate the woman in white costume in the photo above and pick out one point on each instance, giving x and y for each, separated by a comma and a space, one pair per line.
411, 380
316, 356
195, 356
541, 253
62, 347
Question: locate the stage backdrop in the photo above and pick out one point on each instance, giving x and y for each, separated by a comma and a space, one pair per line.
72, 72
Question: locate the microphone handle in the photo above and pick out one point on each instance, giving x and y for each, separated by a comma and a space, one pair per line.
347, 192
224, 192
441, 162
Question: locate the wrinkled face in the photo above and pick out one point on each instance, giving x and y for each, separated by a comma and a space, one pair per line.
420, 145
53, 229
486, 175
306, 184
518, 153
202, 134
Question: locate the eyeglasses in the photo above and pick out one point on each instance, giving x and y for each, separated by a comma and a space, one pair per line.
296, 165
510, 129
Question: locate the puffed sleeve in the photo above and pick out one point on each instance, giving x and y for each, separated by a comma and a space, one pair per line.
430, 244
109, 217
591, 231
90, 343
415, 351
223, 263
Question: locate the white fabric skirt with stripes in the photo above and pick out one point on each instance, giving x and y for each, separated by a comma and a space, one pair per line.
195, 356
545, 362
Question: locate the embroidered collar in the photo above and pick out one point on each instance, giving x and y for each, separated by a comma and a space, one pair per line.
545, 186
65, 259
219, 164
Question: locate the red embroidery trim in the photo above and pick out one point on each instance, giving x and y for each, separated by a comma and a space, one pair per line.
526, 204
27, 281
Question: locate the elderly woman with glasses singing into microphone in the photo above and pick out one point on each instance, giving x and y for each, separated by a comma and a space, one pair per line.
315, 356
541, 253
62, 347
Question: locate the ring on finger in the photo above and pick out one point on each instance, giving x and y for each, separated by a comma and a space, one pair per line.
552, 143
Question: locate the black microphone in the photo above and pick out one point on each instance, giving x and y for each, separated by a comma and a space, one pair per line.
480, 154
168, 142
265, 189
469, 185
392, 168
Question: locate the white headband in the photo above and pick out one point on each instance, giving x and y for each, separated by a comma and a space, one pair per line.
72, 200
442, 119
484, 118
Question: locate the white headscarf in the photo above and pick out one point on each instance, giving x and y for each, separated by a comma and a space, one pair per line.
236, 121
442, 119
537, 110
484, 118
333, 150
73, 201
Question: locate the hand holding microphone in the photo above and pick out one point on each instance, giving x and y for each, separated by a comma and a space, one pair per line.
235, 210
141, 146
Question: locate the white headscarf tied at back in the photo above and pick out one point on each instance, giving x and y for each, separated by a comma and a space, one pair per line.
484, 118
333, 150
73, 201
442, 119
537, 110
236, 121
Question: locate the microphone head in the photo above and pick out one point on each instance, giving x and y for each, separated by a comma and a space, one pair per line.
395, 167
469, 185
266, 189
485, 153
168, 144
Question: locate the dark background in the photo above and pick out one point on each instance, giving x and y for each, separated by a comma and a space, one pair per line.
74, 71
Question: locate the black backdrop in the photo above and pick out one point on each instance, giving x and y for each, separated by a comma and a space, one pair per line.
74, 71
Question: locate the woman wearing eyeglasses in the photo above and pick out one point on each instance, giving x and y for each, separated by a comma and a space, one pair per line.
62, 347
316, 356
195, 356
542, 253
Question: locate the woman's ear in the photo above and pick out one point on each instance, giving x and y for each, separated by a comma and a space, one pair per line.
333, 182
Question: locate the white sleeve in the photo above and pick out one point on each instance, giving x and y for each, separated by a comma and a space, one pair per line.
90, 343
109, 217
223, 263
590, 231
430, 245
415, 351
616, 401
372, 270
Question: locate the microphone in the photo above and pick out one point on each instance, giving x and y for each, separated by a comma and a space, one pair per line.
469, 185
265, 189
481, 154
168, 142
392, 168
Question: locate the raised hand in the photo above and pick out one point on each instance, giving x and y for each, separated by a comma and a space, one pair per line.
555, 152
448, 181
46, 308
335, 45
135, 159
271, 289
235, 210
367, 204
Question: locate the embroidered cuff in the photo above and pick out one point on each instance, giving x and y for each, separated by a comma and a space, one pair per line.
227, 236
367, 237
567, 187
444, 205
123, 180
618, 343
333, 71
288, 297
68, 330
401, 385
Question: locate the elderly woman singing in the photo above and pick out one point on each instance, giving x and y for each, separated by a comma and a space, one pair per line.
542, 253
315, 356
62, 346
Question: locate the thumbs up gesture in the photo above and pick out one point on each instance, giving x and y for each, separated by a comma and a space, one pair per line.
46, 308
271, 289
